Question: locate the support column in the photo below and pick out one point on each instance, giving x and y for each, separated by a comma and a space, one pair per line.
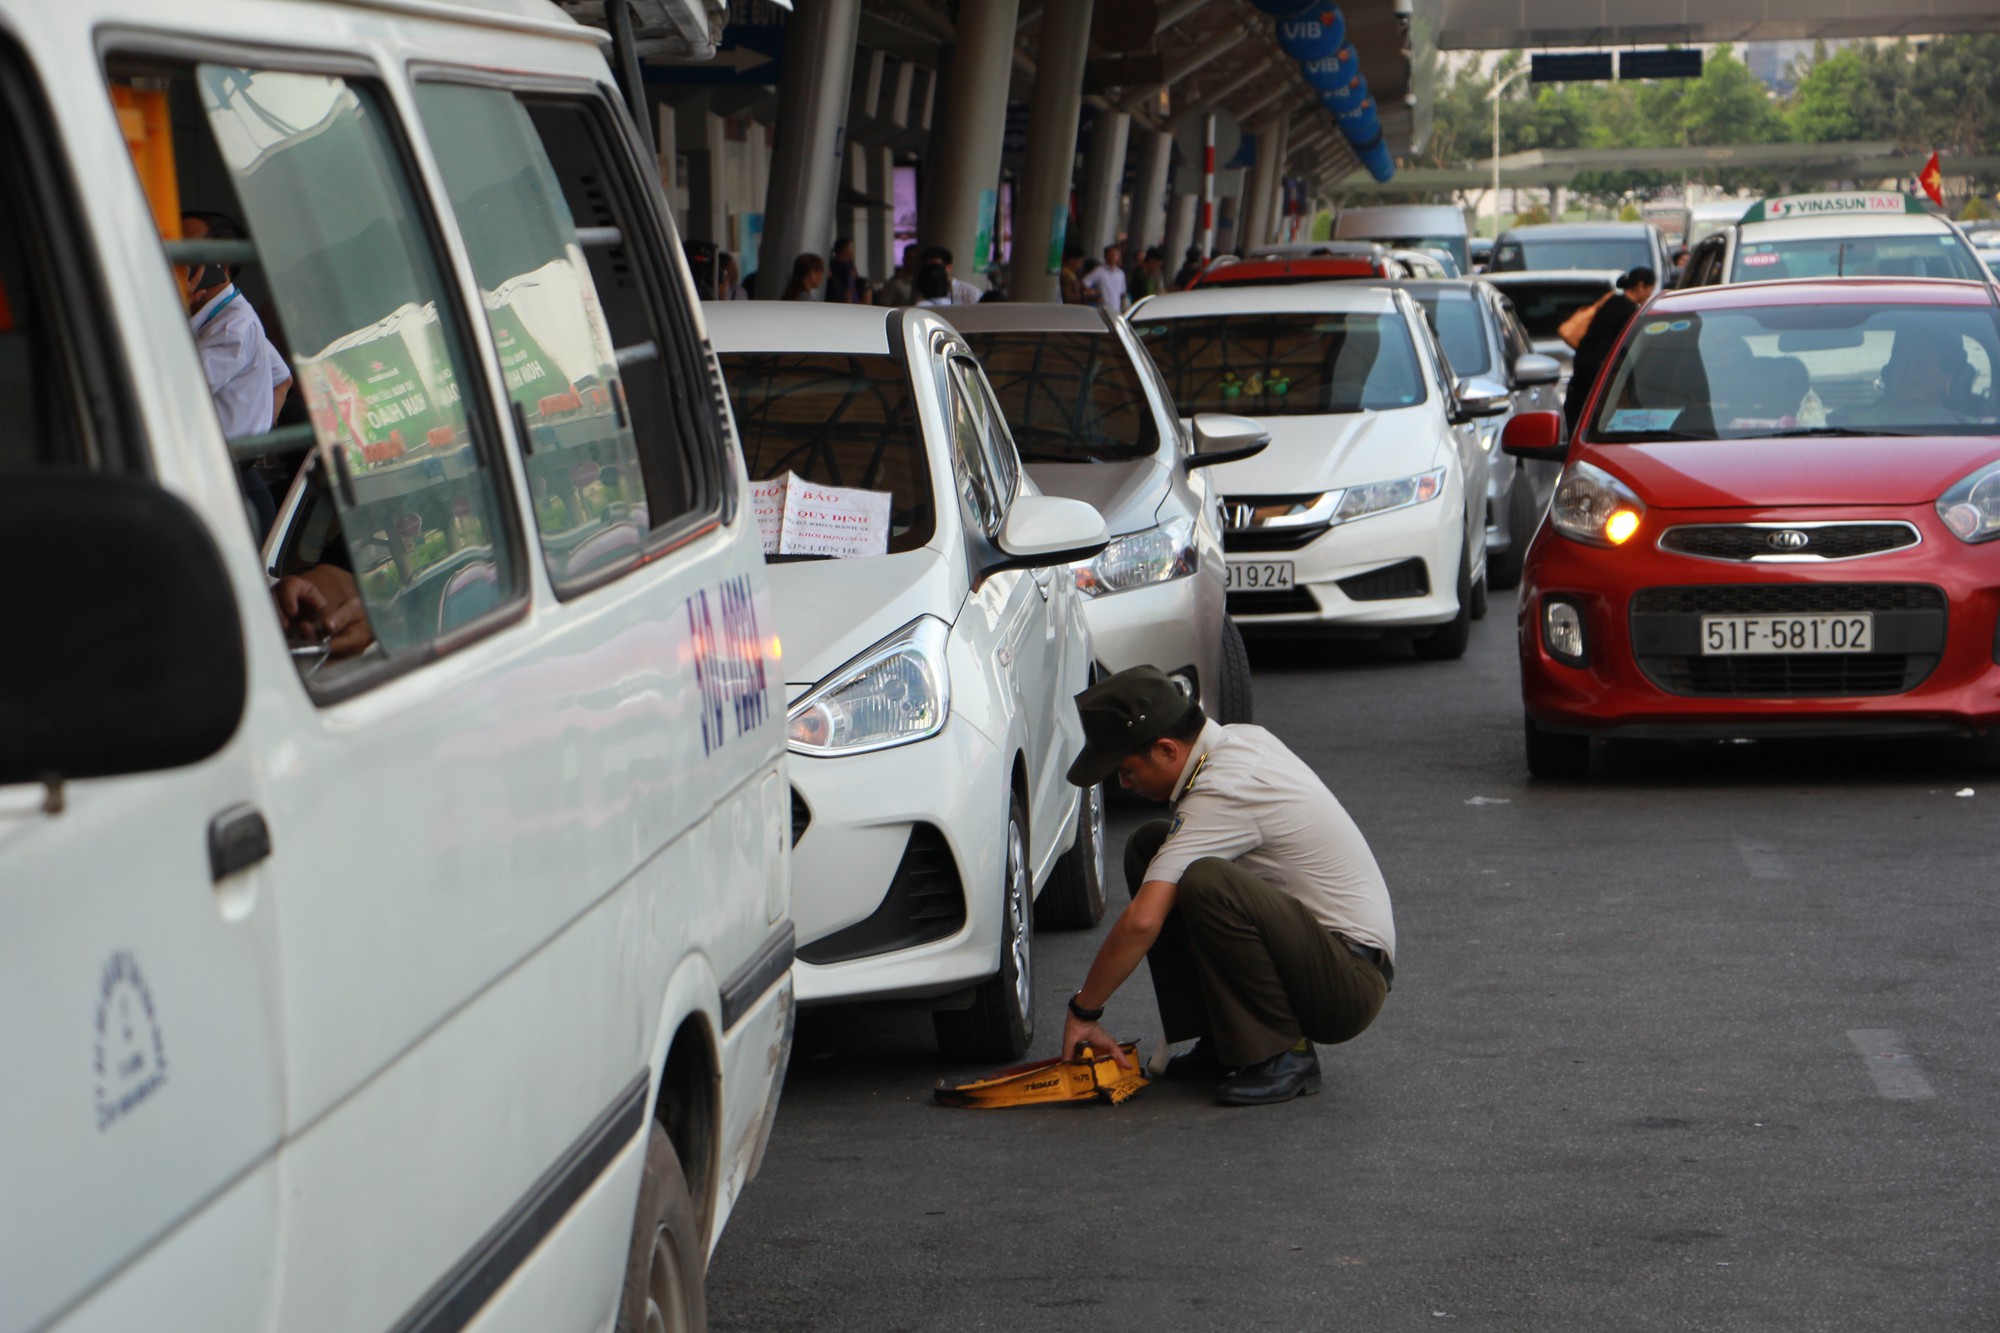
1103, 174
964, 154
805, 161
1180, 228
1149, 192
1255, 228
1051, 155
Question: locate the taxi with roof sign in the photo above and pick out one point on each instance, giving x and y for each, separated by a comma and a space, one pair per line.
1846, 234
1776, 517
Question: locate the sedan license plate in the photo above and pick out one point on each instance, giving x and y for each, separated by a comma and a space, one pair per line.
1246, 574
1723, 636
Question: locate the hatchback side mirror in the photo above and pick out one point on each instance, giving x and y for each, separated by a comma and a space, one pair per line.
1221, 437
1535, 435
1045, 530
1478, 398
127, 649
1532, 368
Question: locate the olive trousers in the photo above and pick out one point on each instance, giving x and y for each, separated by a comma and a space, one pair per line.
1246, 965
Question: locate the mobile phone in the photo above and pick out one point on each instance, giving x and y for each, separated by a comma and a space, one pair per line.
209, 275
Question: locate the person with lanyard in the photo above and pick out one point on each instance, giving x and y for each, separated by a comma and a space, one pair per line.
1607, 326
1259, 908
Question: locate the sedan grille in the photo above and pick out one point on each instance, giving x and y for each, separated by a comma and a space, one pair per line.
1273, 602
1408, 579
1766, 541
1909, 635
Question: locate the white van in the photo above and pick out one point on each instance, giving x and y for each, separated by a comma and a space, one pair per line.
394, 914
1408, 227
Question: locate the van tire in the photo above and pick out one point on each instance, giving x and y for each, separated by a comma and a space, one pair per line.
1000, 1022
1073, 899
1504, 569
667, 1264
1448, 641
1233, 695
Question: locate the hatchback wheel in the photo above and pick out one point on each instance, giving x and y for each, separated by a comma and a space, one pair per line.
1073, 899
1000, 1023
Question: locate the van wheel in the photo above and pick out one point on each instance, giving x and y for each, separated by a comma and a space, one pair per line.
1554, 754
1000, 1024
1232, 697
1448, 641
665, 1269
1073, 899
1504, 570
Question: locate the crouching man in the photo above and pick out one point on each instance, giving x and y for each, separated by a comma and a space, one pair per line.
1258, 907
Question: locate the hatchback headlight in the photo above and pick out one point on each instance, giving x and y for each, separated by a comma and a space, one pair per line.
1971, 509
1380, 497
1595, 507
896, 692
1141, 559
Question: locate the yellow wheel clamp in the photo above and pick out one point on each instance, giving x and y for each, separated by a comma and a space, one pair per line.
1086, 1078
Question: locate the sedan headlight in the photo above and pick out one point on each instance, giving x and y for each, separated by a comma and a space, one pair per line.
1594, 507
897, 692
1971, 509
1380, 497
1141, 559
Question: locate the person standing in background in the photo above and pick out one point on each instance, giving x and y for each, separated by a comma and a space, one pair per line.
1070, 276
840, 275
1108, 280
1190, 269
1607, 326
808, 276
729, 279
247, 376
962, 292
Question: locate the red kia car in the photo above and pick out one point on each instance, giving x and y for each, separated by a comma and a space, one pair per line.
1777, 516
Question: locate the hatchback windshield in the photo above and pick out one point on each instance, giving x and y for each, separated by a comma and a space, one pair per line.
1455, 316
838, 420
1069, 397
1621, 252
1291, 364
1805, 370
1933, 256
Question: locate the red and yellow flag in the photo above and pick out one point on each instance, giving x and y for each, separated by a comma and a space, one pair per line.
1932, 180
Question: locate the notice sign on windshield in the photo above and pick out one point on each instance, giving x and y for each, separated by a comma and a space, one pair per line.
800, 517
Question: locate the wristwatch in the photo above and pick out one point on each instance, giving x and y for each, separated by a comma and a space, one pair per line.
1082, 1014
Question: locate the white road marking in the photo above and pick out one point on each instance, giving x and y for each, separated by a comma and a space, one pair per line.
1762, 859
1892, 1067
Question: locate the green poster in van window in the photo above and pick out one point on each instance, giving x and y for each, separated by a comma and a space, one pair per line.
383, 392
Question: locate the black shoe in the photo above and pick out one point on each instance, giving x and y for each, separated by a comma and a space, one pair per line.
1197, 1061
1288, 1074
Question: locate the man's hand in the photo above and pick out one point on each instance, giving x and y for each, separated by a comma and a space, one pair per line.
324, 602
1077, 1034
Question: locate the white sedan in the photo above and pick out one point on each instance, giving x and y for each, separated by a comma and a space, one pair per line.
932, 639
1367, 513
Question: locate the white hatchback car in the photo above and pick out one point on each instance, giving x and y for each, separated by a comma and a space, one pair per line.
1367, 512
928, 682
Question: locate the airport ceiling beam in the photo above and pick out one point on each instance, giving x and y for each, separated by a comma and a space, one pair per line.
1512, 24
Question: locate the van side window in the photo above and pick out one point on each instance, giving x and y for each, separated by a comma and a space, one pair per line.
399, 546
46, 421
611, 393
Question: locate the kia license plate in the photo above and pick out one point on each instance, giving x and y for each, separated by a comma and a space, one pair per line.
1257, 575
1724, 636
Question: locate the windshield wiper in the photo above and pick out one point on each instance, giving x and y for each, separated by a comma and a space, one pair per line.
1645, 436
793, 558
1798, 432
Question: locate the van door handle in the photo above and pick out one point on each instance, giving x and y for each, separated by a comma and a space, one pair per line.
238, 838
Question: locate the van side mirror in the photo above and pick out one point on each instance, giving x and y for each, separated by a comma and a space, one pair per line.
1221, 437
1045, 530
1535, 435
125, 647
1532, 368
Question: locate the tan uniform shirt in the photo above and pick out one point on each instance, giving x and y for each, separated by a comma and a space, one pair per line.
1248, 799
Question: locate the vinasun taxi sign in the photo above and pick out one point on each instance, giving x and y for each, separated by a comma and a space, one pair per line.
1793, 206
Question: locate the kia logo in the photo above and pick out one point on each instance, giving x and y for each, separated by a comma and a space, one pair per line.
1788, 539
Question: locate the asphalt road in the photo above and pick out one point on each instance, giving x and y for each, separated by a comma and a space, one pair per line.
1709, 1042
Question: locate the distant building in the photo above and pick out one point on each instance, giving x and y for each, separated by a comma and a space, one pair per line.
1772, 62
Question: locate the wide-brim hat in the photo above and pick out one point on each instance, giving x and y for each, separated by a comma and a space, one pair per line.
1124, 713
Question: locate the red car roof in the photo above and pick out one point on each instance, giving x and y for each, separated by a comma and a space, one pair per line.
1304, 269
1828, 291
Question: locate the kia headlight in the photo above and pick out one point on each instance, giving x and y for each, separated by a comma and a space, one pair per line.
896, 692
1380, 497
1595, 507
1141, 559
1971, 509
